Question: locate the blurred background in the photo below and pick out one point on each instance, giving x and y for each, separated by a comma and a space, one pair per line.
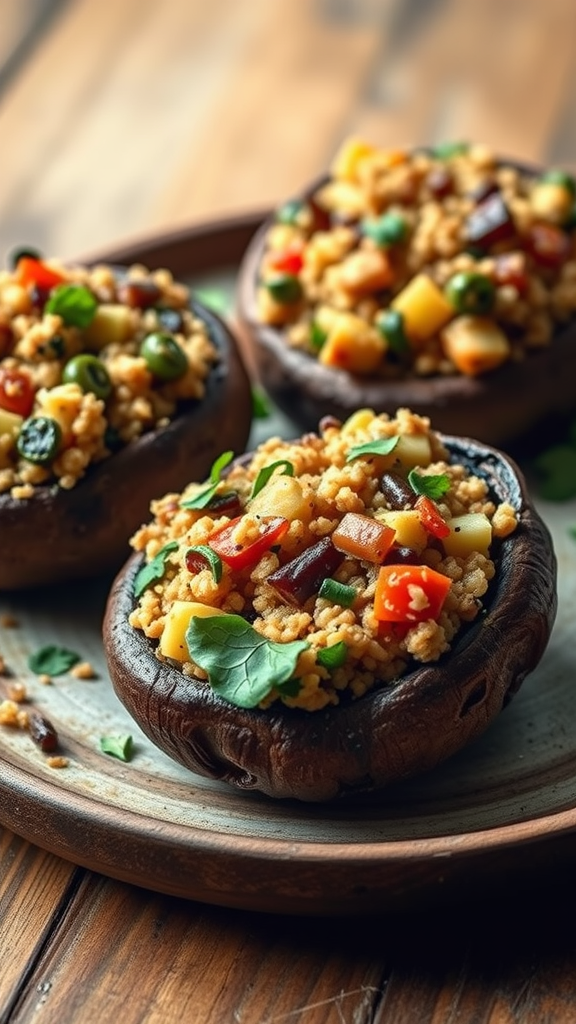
123, 118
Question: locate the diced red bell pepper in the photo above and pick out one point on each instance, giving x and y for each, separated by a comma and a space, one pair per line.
409, 593
32, 271
16, 392
289, 260
430, 517
548, 245
239, 556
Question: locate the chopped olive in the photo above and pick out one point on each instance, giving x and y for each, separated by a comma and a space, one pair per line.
402, 555
470, 293
296, 581
164, 357
397, 491
284, 288
489, 222
39, 439
42, 732
139, 294
170, 320
390, 323
389, 229
90, 374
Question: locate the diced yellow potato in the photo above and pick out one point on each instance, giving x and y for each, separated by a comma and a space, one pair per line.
282, 496
344, 196
366, 271
349, 156
408, 527
111, 325
173, 639
551, 201
424, 308
468, 533
412, 450
10, 423
475, 344
352, 345
359, 420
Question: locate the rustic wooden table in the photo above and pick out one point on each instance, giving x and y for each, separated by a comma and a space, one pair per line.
121, 120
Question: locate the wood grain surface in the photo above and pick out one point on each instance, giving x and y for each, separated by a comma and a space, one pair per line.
126, 118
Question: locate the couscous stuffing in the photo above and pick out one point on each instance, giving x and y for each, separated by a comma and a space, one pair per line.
314, 570
438, 261
90, 359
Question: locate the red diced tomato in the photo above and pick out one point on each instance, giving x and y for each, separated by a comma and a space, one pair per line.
548, 245
239, 556
288, 261
430, 517
409, 593
16, 392
32, 271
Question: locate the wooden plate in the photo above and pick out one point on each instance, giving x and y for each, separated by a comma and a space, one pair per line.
505, 808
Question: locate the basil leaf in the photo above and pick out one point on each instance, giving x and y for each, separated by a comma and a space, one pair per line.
75, 303
208, 555
117, 746
268, 471
338, 593
154, 570
380, 446
52, 660
332, 657
243, 666
202, 500
432, 486
260, 404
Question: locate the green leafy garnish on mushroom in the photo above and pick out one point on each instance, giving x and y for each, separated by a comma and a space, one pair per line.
154, 570
243, 666
52, 660
380, 446
203, 498
286, 469
334, 656
432, 485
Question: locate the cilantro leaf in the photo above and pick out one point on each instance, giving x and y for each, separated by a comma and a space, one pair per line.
154, 570
334, 656
203, 498
75, 303
117, 746
243, 666
433, 485
268, 471
52, 660
380, 446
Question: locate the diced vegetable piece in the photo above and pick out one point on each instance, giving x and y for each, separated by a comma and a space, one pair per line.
510, 268
424, 308
363, 537
413, 450
548, 245
359, 420
112, 324
39, 439
282, 496
409, 593
349, 157
430, 517
390, 323
475, 344
284, 288
139, 293
338, 593
238, 554
408, 528
288, 260
365, 271
470, 293
33, 271
389, 229
490, 222
352, 345
16, 392
173, 639
396, 490
10, 423
552, 201
296, 581
468, 533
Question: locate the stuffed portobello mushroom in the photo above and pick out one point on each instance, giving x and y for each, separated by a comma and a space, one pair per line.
328, 615
114, 387
443, 280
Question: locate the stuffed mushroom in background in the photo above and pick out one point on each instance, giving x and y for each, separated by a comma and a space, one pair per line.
328, 615
443, 280
113, 386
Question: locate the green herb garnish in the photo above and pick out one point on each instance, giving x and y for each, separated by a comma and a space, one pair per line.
338, 593
332, 657
52, 660
380, 446
154, 570
117, 746
260, 404
75, 303
432, 485
291, 688
286, 467
206, 554
243, 666
202, 500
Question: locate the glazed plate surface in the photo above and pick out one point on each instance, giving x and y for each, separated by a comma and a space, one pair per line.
506, 804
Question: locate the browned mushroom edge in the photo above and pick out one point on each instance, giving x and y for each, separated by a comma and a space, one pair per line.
59, 535
518, 396
388, 734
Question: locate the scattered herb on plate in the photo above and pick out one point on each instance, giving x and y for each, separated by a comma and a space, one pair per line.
52, 660
121, 747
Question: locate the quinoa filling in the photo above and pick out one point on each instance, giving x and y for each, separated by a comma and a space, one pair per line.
314, 570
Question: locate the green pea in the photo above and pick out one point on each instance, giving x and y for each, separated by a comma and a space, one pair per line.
389, 229
447, 150
39, 439
289, 212
90, 373
164, 357
390, 323
470, 293
284, 288
557, 177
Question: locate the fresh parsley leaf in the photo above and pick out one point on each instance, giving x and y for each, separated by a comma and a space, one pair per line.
75, 303
154, 570
334, 656
432, 486
243, 666
380, 446
208, 555
203, 498
260, 404
264, 475
117, 746
52, 660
